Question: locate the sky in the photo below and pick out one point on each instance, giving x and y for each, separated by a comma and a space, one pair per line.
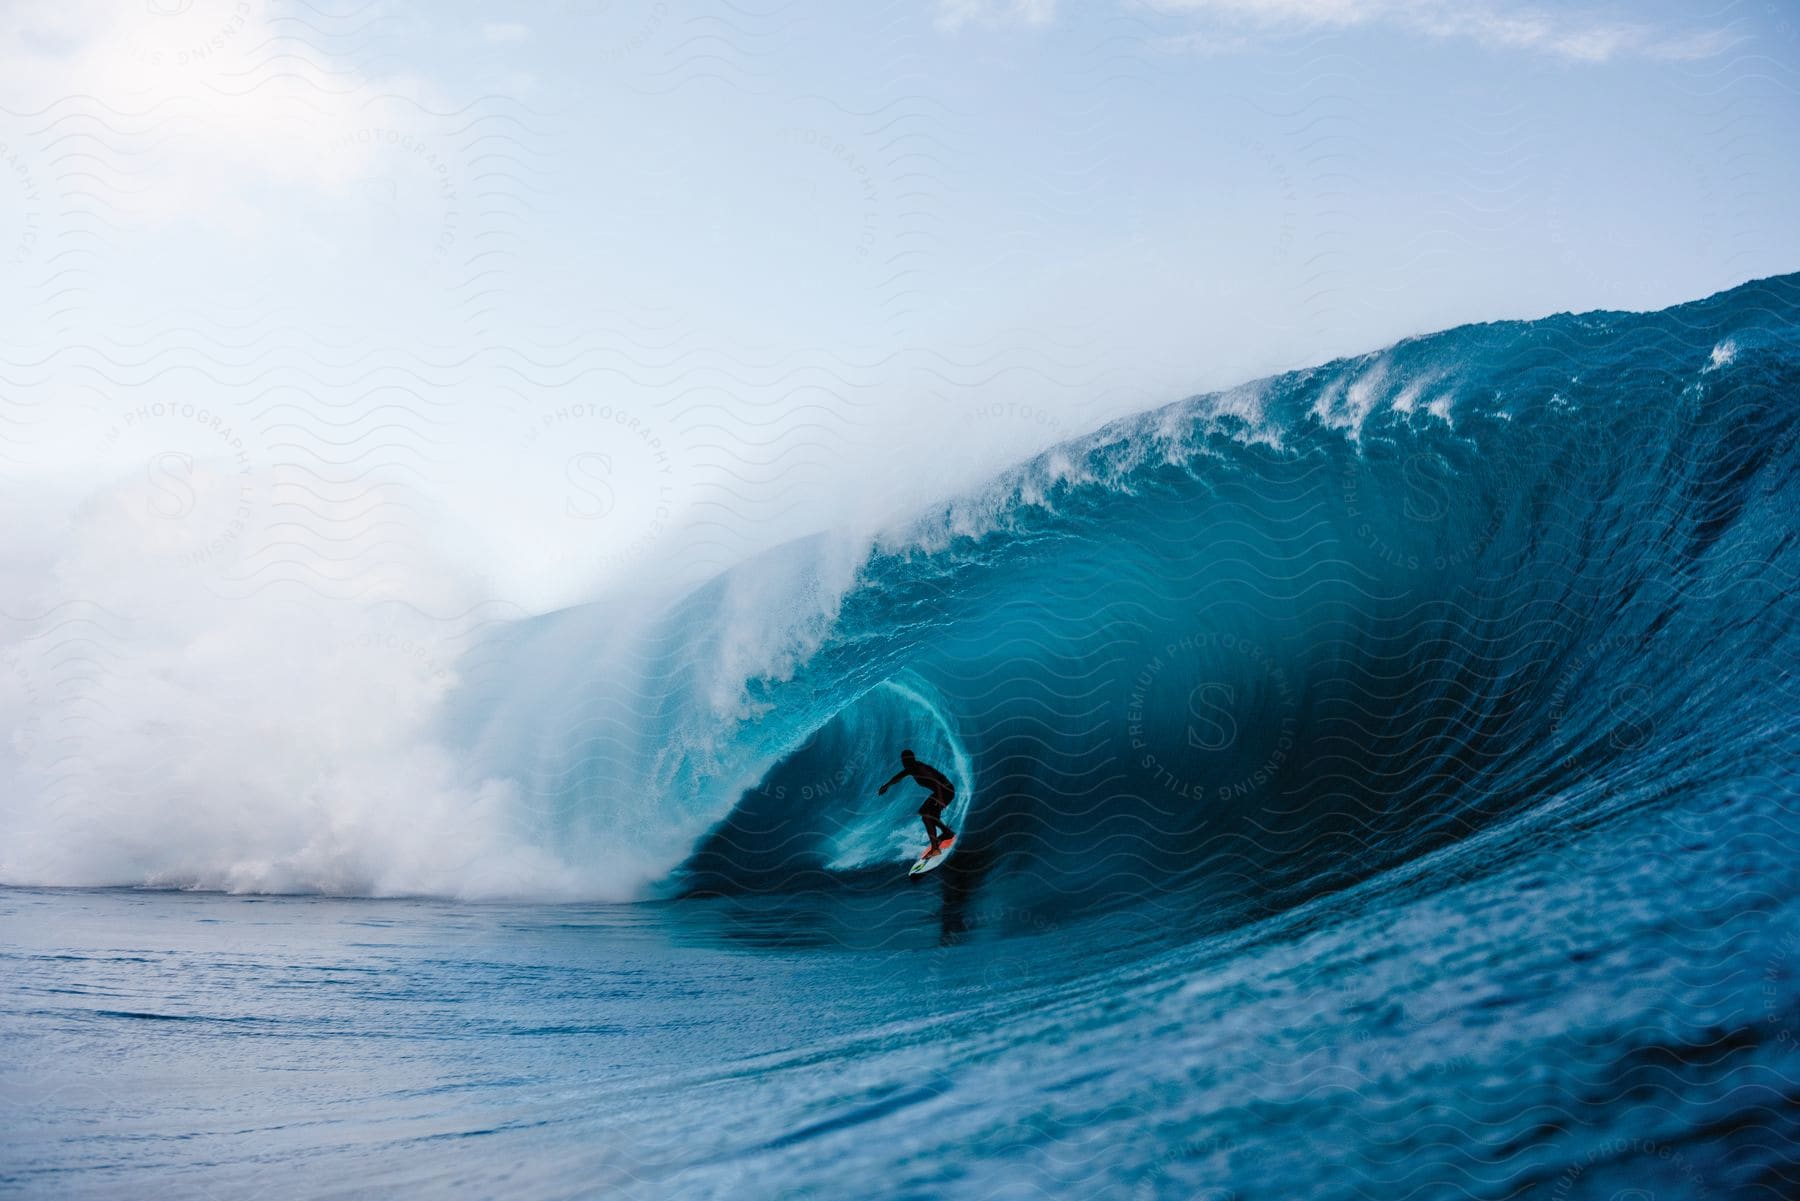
567, 295
336, 334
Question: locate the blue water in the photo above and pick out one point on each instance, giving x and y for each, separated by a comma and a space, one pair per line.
1377, 781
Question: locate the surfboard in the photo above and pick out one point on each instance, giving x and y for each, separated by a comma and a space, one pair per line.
929, 859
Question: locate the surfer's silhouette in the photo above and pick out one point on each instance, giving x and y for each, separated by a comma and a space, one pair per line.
942, 793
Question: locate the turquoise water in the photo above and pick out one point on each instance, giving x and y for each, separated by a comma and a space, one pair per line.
1380, 782
1530, 1014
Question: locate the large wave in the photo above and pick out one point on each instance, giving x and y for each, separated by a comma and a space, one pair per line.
1243, 648
1263, 643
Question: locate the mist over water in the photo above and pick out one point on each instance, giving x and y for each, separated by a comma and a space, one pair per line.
1289, 634
1405, 737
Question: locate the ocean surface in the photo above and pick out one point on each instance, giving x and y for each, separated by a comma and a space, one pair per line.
1377, 781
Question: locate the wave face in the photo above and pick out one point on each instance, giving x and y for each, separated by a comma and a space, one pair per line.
1260, 644
1381, 780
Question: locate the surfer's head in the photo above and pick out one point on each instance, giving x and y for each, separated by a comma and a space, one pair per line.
906, 756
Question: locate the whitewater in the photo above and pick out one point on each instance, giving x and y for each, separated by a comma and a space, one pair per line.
1377, 779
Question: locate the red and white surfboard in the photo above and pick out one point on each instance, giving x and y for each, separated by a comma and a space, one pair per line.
929, 858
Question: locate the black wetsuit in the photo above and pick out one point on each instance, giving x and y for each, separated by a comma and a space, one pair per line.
942, 793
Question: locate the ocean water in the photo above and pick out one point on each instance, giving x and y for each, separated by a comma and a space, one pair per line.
1377, 781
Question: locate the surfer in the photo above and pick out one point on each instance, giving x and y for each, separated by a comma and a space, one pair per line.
942, 793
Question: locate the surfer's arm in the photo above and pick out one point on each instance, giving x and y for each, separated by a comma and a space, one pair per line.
898, 776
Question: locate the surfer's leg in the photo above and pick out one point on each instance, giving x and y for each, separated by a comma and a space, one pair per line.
942, 802
931, 813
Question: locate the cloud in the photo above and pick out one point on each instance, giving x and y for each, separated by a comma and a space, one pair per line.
1203, 45
203, 104
505, 31
954, 14
1561, 32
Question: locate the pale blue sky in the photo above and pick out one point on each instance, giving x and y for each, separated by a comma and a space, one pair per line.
790, 240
